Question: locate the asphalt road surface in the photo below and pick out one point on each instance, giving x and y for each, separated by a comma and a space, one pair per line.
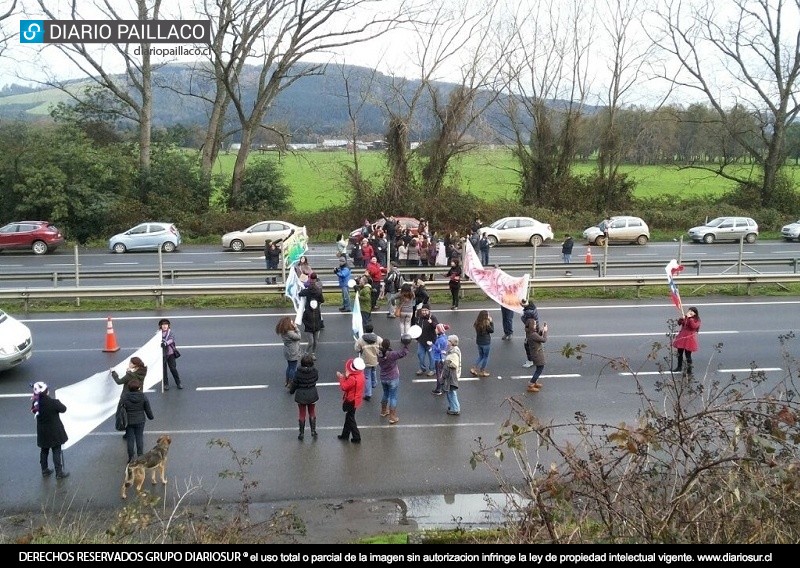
232, 367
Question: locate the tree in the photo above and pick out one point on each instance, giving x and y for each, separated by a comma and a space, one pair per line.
758, 49
5, 35
547, 76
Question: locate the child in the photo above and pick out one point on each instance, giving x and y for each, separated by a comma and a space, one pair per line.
452, 371
438, 352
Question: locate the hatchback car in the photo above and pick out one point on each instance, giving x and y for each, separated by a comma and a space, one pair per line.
255, 235
791, 232
516, 231
16, 344
725, 229
147, 236
618, 229
38, 236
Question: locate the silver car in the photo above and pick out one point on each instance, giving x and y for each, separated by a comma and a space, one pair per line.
725, 229
147, 236
618, 229
16, 344
255, 235
791, 232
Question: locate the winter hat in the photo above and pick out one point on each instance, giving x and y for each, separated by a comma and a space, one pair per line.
39, 387
313, 276
163, 321
441, 328
356, 364
452, 339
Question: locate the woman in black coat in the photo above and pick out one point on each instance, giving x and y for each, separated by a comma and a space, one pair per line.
137, 406
304, 388
312, 314
50, 432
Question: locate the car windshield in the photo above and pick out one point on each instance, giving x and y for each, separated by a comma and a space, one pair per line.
497, 224
715, 222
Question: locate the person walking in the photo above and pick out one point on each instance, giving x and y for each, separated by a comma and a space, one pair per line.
50, 432
343, 273
367, 347
304, 389
137, 406
454, 277
450, 375
427, 323
529, 312
364, 291
566, 251
352, 384
536, 336
392, 283
136, 370
390, 376
686, 341
484, 328
421, 297
508, 322
405, 304
290, 335
484, 246
312, 314
438, 353
170, 353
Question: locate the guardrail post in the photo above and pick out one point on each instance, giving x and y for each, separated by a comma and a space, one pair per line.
794, 262
55, 279
699, 264
77, 276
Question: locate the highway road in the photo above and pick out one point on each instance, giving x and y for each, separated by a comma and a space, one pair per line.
232, 368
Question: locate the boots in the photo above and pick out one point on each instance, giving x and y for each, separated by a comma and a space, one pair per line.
384, 409
58, 462
178, 384
313, 422
679, 367
689, 369
393, 419
302, 424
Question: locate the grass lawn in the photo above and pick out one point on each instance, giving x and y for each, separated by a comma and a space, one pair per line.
317, 181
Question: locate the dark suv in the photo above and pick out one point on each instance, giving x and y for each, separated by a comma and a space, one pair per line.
39, 236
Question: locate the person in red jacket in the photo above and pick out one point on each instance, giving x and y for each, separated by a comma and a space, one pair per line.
686, 340
352, 385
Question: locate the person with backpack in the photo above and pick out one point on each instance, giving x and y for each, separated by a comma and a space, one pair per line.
392, 283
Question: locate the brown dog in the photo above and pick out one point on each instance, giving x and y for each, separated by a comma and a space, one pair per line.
154, 460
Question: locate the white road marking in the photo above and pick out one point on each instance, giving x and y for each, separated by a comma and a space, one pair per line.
237, 387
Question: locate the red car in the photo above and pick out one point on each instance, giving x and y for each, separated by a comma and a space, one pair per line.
403, 223
39, 236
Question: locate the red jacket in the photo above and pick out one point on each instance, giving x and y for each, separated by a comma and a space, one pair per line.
687, 336
374, 270
367, 251
352, 384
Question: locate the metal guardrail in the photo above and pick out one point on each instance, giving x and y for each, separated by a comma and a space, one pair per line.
174, 274
160, 292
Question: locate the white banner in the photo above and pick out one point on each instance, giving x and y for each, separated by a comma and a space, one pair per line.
506, 290
92, 401
356, 323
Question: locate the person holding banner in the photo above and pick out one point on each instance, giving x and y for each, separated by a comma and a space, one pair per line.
50, 432
290, 335
312, 314
686, 340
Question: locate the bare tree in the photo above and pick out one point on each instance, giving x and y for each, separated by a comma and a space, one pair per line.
279, 34
5, 35
464, 39
740, 54
133, 88
548, 82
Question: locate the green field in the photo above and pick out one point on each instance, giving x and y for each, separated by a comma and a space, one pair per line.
316, 179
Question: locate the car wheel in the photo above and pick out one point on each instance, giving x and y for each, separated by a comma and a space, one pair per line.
708, 239
641, 240
237, 245
750, 238
492, 240
536, 241
168, 246
39, 247
119, 248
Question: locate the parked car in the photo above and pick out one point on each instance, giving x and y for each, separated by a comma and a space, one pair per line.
791, 231
410, 223
725, 229
39, 236
618, 229
517, 230
16, 343
255, 235
147, 236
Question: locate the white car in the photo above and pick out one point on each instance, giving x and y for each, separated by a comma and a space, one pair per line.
16, 344
517, 230
618, 229
791, 232
255, 235
147, 236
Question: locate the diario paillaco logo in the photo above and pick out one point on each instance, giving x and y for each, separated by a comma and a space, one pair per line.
115, 31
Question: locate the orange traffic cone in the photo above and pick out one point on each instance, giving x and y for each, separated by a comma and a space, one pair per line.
111, 338
588, 255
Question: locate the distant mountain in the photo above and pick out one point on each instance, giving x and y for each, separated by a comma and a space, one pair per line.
312, 107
